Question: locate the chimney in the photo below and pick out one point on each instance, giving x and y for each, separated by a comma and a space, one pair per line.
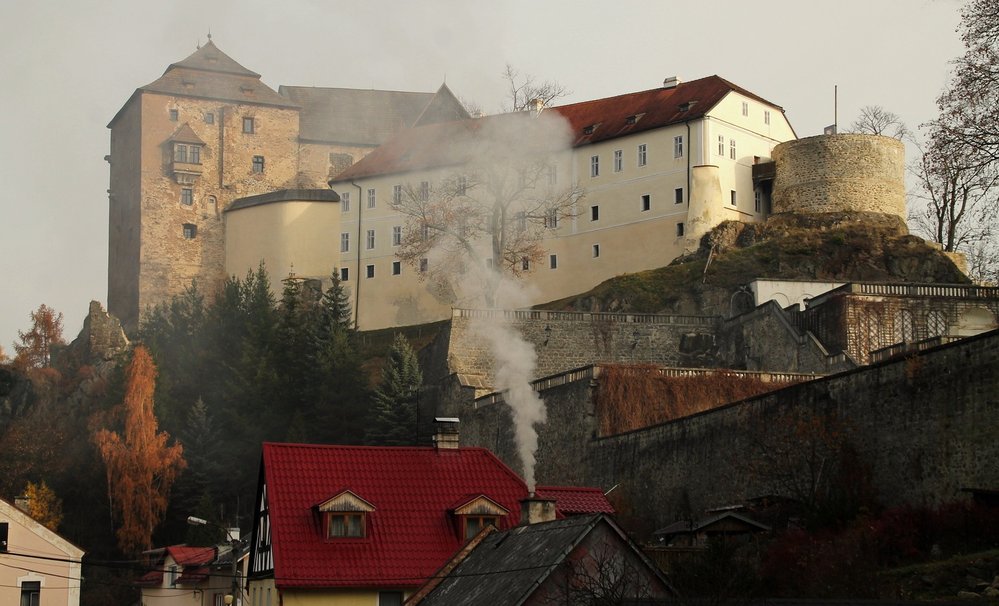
23, 502
535, 106
446, 436
535, 509
671, 82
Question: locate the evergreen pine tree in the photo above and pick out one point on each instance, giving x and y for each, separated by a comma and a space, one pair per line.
395, 399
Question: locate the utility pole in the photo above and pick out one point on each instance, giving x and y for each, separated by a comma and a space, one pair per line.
234, 549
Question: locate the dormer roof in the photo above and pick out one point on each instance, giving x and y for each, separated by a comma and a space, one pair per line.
345, 500
185, 134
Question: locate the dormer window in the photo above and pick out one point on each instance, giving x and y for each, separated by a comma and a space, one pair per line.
588, 130
345, 516
187, 153
476, 513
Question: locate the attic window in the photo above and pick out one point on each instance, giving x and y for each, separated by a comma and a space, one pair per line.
345, 516
686, 105
246, 90
634, 119
475, 514
588, 130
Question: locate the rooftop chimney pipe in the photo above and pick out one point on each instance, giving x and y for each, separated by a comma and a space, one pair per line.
535, 509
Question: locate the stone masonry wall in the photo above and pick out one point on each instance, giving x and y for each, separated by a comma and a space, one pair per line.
925, 425
840, 173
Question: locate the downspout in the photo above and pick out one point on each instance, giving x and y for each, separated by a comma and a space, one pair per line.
221, 147
690, 150
357, 277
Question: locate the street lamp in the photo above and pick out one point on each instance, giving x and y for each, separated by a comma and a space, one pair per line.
235, 545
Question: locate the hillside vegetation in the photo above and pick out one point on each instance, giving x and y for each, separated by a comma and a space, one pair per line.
834, 247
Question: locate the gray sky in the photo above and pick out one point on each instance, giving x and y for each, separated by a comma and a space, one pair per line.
67, 67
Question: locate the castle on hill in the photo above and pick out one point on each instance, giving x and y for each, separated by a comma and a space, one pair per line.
214, 172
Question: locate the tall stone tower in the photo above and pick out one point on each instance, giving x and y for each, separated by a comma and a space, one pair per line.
183, 147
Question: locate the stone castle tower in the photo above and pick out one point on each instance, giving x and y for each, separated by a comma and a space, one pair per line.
209, 132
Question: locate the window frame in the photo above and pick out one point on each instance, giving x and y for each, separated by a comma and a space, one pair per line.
731, 149
678, 146
369, 240
345, 202
745, 108
721, 145
618, 160
369, 271
189, 231
396, 268
397, 194
643, 154
595, 212
187, 196
249, 125
646, 202
371, 198
361, 527
174, 115
397, 235
595, 250
345, 241
594, 166
733, 198
678, 195
258, 165
680, 230
553, 261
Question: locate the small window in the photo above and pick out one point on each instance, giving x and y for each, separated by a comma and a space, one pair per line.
594, 213
596, 251
369, 271
389, 598
4, 529
345, 524
174, 115
643, 155
678, 195
258, 164
396, 235
370, 240
552, 174
553, 261
766, 116
396, 268
180, 153
732, 198
594, 166
618, 160
31, 593
646, 202
209, 118
745, 108
187, 196
551, 219
731, 148
721, 145
758, 200
424, 191
190, 231
525, 263
195, 154
461, 185
678, 146
248, 125
474, 524
345, 202
345, 242
371, 198
679, 229
424, 264
344, 274
396, 194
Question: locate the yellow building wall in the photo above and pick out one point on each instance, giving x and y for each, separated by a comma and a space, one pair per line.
60, 581
287, 236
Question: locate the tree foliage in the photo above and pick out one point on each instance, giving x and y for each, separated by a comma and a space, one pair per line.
141, 466
394, 404
35, 347
468, 232
43, 505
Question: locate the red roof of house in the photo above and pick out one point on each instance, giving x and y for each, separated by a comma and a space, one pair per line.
454, 143
576, 500
411, 531
191, 556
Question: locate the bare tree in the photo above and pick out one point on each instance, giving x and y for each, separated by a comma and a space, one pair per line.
601, 576
523, 88
487, 220
876, 120
969, 108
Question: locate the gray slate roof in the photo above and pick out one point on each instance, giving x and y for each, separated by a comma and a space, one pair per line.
366, 117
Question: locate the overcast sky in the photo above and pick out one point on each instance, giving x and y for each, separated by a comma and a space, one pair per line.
67, 67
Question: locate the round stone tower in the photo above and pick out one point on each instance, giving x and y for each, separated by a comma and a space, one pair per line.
840, 173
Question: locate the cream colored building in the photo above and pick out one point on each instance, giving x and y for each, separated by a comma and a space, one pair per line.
657, 169
208, 132
37, 566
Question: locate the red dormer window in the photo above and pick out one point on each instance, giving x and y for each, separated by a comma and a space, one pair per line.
345, 515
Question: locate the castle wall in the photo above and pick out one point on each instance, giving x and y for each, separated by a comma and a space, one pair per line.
125, 214
925, 425
840, 173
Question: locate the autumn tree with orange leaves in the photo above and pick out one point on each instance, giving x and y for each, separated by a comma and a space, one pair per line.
35, 348
43, 505
140, 466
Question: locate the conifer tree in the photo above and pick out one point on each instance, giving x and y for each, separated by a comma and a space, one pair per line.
35, 347
395, 399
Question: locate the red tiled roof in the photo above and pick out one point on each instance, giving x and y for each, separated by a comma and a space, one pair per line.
409, 534
576, 500
191, 556
454, 143
192, 576
153, 578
